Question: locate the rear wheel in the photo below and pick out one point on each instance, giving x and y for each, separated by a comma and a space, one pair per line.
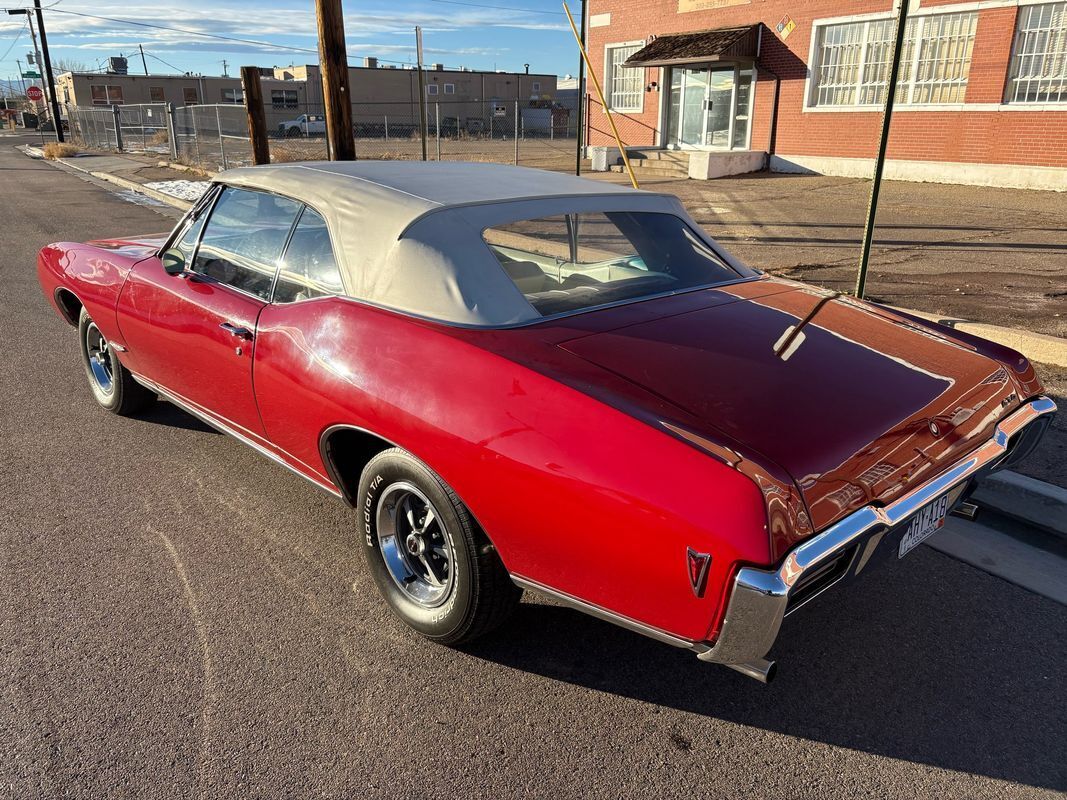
432, 564
112, 384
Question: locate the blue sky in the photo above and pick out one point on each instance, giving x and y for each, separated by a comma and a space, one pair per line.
454, 33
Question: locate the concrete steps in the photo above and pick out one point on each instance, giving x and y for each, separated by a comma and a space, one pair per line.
656, 163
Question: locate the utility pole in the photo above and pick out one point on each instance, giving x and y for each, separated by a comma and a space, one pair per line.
56, 121
22, 81
225, 68
581, 99
883, 142
336, 96
422, 89
143, 62
257, 120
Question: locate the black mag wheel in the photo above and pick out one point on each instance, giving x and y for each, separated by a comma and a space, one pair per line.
433, 565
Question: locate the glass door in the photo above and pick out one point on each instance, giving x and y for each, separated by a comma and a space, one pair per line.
709, 107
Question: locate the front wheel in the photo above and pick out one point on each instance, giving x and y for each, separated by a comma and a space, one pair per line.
112, 384
432, 564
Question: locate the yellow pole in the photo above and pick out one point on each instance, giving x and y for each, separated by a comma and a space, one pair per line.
600, 94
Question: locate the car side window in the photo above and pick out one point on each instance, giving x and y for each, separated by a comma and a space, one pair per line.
308, 268
244, 238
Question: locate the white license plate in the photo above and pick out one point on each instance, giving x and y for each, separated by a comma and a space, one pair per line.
927, 521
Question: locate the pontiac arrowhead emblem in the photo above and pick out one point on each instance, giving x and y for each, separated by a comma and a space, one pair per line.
697, 564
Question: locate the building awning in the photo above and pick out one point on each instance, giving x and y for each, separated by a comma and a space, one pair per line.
722, 44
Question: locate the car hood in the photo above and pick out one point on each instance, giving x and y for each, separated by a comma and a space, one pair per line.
855, 403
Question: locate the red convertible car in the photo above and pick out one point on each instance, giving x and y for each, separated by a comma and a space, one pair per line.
521, 379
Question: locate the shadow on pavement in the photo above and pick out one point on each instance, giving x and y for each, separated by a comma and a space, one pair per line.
933, 663
164, 413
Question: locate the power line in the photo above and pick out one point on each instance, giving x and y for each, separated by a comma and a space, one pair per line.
191, 32
18, 36
500, 8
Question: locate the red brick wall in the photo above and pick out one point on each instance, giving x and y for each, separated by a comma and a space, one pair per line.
1037, 138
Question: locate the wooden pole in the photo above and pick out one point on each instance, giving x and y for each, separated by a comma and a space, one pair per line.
257, 121
600, 94
883, 142
49, 77
333, 64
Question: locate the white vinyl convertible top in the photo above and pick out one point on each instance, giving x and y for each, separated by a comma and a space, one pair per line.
408, 234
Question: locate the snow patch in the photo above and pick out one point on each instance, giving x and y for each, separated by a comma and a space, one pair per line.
182, 189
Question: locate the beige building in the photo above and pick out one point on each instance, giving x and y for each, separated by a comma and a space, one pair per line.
462, 98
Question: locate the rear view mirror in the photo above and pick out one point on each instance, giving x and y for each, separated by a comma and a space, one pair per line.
173, 261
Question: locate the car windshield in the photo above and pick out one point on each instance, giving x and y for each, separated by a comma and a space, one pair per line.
577, 261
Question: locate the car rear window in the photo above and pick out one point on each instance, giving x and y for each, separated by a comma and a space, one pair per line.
577, 261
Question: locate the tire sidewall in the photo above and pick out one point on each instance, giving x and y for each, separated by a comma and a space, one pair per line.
111, 400
445, 620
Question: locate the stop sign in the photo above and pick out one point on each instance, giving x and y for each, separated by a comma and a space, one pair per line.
35, 93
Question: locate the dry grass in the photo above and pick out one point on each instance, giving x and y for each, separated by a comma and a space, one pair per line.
159, 138
59, 150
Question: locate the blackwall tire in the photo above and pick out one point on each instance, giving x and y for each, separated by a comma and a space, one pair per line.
112, 385
432, 564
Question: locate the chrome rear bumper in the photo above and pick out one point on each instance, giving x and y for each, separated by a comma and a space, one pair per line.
760, 599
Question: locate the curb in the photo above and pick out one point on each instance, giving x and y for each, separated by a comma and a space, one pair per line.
1040, 504
133, 186
1037, 347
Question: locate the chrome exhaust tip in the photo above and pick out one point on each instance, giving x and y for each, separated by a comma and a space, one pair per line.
760, 669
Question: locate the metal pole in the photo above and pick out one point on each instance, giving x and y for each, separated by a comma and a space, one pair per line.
172, 131
118, 128
144, 139
603, 102
883, 142
437, 122
222, 144
516, 132
581, 94
386, 127
422, 89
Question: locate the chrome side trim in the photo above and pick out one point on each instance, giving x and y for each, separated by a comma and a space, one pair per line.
602, 613
759, 598
222, 427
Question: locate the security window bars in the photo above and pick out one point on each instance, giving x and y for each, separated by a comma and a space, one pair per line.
852, 61
1039, 61
156, 94
190, 95
625, 84
104, 95
283, 98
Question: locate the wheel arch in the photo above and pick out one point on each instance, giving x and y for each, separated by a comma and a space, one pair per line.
346, 450
69, 305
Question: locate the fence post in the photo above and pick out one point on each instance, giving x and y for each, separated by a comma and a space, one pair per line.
437, 124
118, 128
222, 144
516, 132
144, 139
172, 130
386, 127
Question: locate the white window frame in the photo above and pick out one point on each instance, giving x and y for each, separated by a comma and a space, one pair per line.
906, 99
1053, 40
450, 88
609, 77
431, 89
284, 101
233, 96
535, 87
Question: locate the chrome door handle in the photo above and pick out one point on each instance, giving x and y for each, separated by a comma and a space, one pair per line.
236, 330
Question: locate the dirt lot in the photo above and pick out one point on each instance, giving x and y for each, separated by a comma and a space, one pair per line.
988, 255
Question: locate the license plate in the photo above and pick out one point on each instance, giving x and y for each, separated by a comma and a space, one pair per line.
927, 521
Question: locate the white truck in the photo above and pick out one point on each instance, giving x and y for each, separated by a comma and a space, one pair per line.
304, 125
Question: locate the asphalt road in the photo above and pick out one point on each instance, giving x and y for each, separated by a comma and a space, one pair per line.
182, 618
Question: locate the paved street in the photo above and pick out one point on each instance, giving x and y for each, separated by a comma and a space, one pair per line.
180, 617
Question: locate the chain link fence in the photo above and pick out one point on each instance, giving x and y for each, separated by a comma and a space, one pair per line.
215, 137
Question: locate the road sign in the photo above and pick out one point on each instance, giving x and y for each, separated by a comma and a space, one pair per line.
31, 74
35, 94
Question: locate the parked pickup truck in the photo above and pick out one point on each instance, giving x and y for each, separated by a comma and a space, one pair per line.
304, 125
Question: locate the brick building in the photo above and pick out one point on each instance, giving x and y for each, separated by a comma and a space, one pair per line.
799, 86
